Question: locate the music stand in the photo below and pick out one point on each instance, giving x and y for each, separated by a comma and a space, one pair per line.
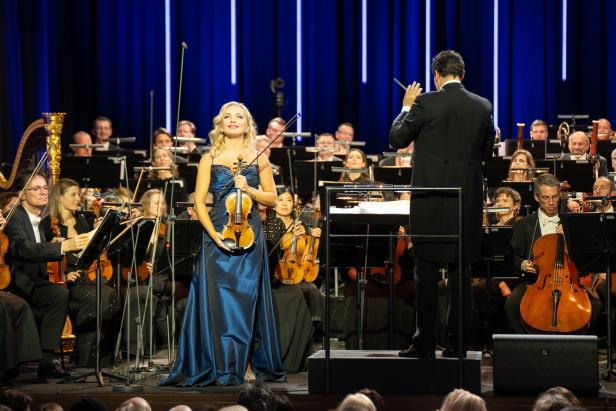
187, 242
591, 242
307, 170
495, 170
525, 190
392, 174
91, 171
536, 147
579, 174
97, 245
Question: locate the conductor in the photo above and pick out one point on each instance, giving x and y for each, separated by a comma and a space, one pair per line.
453, 133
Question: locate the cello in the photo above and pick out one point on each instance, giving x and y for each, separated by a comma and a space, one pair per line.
555, 303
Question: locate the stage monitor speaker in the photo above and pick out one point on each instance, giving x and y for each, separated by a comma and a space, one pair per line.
534, 363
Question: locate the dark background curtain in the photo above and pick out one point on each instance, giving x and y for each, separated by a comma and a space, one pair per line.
103, 57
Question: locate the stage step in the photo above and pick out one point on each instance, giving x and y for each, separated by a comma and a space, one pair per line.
384, 371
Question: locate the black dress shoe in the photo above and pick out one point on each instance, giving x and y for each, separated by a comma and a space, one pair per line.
414, 352
451, 353
52, 371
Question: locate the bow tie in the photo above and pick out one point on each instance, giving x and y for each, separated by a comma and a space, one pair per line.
35, 220
554, 219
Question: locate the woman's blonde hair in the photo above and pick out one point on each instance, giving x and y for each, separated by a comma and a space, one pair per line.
146, 199
217, 136
58, 190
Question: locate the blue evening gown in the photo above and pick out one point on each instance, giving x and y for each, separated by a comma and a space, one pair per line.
230, 315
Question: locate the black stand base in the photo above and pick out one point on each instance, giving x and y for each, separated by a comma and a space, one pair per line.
353, 370
99, 377
128, 389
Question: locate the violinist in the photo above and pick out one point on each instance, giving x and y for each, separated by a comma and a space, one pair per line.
275, 227
525, 232
64, 212
230, 310
521, 166
7, 199
162, 157
29, 250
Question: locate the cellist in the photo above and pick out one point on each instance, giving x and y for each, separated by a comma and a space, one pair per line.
64, 212
525, 232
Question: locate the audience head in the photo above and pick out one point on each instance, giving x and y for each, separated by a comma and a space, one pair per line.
205, 407
283, 403
358, 402
374, 396
134, 404
551, 401
16, 400
102, 129
180, 408
81, 137
89, 404
613, 157
257, 396
538, 130
462, 400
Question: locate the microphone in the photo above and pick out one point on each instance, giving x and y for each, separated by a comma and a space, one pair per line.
118, 140
150, 168
184, 46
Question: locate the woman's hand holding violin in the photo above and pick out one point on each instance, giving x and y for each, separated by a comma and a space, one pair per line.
218, 239
299, 229
315, 232
241, 183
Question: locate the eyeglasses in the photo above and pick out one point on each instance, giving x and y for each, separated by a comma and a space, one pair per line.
546, 199
38, 188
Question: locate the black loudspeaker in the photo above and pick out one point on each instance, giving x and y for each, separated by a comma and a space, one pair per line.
534, 363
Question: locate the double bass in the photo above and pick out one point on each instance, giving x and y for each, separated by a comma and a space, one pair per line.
555, 303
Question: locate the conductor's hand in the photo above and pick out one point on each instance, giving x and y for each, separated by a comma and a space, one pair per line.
241, 183
411, 94
72, 276
76, 243
528, 266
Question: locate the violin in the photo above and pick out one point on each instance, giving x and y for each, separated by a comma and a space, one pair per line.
310, 260
555, 303
289, 268
238, 234
56, 269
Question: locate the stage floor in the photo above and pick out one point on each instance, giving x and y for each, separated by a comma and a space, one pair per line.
296, 388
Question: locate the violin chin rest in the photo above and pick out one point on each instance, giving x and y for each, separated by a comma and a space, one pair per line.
232, 245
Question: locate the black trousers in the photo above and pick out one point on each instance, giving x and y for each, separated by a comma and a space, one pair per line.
427, 276
19, 339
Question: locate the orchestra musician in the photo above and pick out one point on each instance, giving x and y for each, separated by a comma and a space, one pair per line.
538, 130
525, 232
65, 206
81, 137
29, 250
161, 157
355, 159
274, 227
605, 131
578, 150
522, 166
187, 129
7, 199
327, 142
102, 130
274, 128
229, 320
449, 149
400, 161
344, 135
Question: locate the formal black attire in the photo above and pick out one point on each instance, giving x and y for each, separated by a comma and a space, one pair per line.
603, 172
453, 133
82, 301
27, 259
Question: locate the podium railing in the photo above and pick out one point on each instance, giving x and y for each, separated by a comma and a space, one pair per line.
329, 190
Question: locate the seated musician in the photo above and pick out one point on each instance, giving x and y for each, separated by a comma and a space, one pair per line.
274, 227
525, 232
499, 290
605, 131
19, 339
344, 135
400, 161
538, 130
65, 206
603, 187
327, 143
81, 137
274, 128
29, 250
579, 145
102, 130
187, 129
161, 138
355, 159
521, 162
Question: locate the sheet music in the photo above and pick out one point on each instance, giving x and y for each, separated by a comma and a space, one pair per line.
398, 207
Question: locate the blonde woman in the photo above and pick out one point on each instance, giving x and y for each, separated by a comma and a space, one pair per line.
229, 320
